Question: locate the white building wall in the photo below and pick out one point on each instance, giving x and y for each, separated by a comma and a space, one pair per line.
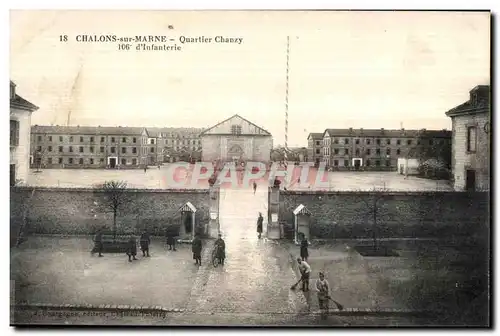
20, 154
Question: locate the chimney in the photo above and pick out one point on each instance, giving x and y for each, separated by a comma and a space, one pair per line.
350, 129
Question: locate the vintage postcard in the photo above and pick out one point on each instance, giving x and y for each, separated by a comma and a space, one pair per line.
250, 168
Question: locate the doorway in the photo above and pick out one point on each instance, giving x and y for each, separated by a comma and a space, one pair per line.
12, 175
112, 162
470, 180
187, 222
357, 164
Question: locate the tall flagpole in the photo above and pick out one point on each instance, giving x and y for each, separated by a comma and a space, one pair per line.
286, 95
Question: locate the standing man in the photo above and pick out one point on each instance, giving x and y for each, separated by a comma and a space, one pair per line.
196, 248
145, 240
98, 242
132, 248
305, 271
260, 221
254, 187
220, 244
171, 239
304, 253
323, 289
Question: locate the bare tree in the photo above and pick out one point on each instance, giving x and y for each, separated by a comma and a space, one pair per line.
373, 202
113, 197
38, 158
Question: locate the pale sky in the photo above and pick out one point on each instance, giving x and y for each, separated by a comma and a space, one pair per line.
347, 69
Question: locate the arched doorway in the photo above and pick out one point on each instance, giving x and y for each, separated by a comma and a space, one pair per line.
235, 153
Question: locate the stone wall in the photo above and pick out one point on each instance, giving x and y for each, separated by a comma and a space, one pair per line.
73, 211
349, 215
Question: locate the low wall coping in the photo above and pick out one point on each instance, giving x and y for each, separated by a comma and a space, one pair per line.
132, 190
371, 192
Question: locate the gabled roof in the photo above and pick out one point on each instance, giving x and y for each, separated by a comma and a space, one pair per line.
315, 136
301, 210
188, 207
236, 116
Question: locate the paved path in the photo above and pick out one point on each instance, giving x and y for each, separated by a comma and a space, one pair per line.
257, 274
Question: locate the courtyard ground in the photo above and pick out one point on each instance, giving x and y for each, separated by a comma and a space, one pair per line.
155, 178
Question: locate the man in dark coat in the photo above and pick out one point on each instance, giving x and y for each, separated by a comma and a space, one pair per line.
221, 249
196, 247
260, 221
171, 239
254, 187
98, 242
132, 248
145, 240
304, 253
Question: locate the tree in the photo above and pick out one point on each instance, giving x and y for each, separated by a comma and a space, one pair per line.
373, 202
434, 152
113, 197
38, 158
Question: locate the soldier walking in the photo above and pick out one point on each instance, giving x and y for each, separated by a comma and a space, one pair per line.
260, 221
98, 242
145, 240
171, 240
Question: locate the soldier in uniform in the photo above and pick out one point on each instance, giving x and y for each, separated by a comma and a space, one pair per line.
196, 248
132, 248
260, 221
145, 240
98, 242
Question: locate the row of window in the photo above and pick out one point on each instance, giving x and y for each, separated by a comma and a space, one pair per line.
336, 151
367, 163
327, 142
90, 161
91, 149
123, 140
81, 149
236, 129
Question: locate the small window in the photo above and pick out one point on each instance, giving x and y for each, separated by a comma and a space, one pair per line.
113, 149
113, 139
151, 141
378, 141
317, 151
91, 161
60, 160
60, 139
39, 148
71, 149
80, 161
91, 149
388, 151
134, 140
134, 150
70, 160
317, 143
50, 138
60, 149
368, 141
91, 139
335, 141
124, 150
336, 163
471, 139
378, 151
346, 151
81, 149
346, 163
49, 148
335, 151
81, 139
346, 141
71, 139
368, 163
388, 141
357, 141
357, 151
103, 139
398, 142
124, 161
152, 149
398, 151
101, 149
377, 163
39, 138
368, 151
388, 163
134, 161
235, 130
124, 139
49, 160
408, 142
101, 160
